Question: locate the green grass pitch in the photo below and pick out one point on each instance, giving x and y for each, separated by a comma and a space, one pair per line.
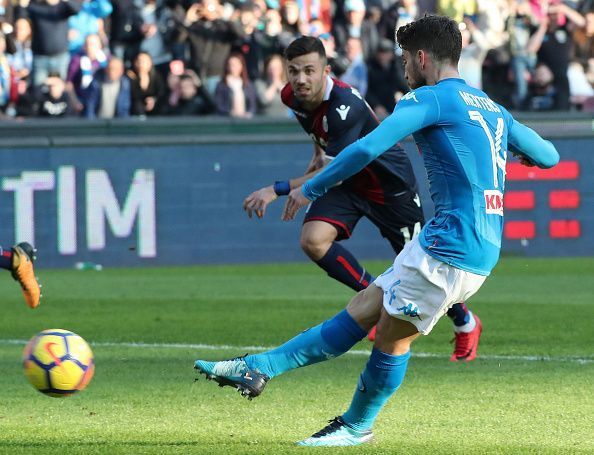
532, 391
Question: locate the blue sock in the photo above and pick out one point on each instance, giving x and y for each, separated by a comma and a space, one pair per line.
341, 265
459, 314
322, 342
380, 379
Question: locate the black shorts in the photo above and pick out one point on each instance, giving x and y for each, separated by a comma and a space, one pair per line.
398, 219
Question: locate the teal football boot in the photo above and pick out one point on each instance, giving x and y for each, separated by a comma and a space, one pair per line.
336, 434
234, 373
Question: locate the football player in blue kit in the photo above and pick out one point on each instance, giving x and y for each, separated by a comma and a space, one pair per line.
385, 191
464, 138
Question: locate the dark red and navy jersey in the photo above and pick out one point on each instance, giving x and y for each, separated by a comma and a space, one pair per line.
341, 119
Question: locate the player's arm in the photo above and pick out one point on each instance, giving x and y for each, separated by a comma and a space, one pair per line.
415, 111
532, 149
317, 160
343, 130
257, 201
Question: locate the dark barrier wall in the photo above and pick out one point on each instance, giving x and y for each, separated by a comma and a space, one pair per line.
181, 204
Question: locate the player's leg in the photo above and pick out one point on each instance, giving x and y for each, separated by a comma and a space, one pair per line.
19, 261
418, 290
318, 241
330, 219
399, 219
323, 342
467, 333
381, 378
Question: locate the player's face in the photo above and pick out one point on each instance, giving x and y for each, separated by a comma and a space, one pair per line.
412, 70
307, 74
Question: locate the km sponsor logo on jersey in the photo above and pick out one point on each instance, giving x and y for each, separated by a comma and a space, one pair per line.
494, 202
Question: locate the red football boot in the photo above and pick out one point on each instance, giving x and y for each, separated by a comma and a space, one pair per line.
466, 343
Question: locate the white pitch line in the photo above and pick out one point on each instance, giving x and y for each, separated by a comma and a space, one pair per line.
220, 347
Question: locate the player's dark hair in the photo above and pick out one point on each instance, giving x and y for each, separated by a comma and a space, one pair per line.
303, 46
438, 35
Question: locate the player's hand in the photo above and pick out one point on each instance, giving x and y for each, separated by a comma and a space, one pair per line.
295, 201
524, 160
258, 201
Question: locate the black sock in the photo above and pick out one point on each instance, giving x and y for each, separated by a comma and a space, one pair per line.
5, 259
459, 314
341, 265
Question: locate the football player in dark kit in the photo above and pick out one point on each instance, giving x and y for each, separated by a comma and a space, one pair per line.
335, 115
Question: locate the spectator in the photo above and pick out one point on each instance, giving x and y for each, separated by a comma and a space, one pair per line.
176, 69
556, 48
54, 101
7, 15
259, 11
190, 96
205, 32
316, 27
474, 51
542, 89
7, 78
386, 82
88, 21
457, 9
584, 40
315, 9
22, 58
109, 94
579, 87
268, 89
126, 29
525, 38
49, 20
148, 88
356, 73
590, 71
588, 104
292, 25
250, 43
27, 102
84, 65
359, 27
210, 37
159, 32
235, 95
399, 13
338, 62
490, 19
272, 39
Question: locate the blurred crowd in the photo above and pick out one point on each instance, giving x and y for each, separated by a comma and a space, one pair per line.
120, 58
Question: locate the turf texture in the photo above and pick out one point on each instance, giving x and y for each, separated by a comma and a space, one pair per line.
530, 390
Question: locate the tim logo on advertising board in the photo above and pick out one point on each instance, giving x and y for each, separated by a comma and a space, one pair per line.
101, 206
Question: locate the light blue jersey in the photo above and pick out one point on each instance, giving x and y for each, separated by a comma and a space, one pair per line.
464, 137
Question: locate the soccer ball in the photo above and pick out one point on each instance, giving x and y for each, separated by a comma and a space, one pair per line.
58, 363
